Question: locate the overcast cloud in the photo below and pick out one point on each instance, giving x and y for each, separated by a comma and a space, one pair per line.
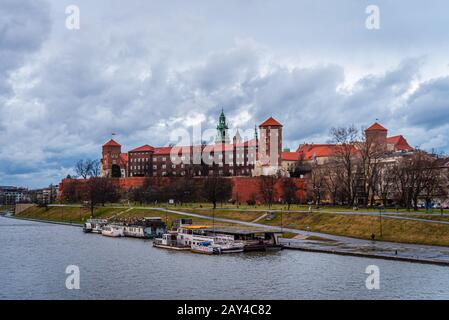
144, 68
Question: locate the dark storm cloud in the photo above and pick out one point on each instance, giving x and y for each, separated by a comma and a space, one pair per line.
428, 107
145, 68
24, 25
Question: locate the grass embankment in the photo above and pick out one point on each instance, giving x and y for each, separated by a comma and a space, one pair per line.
6, 207
76, 214
67, 214
247, 216
293, 207
357, 226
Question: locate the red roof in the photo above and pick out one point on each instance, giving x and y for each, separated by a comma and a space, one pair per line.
290, 156
270, 122
162, 150
208, 148
309, 151
376, 126
145, 147
112, 143
400, 143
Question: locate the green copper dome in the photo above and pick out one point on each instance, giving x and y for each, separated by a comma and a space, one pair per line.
222, 129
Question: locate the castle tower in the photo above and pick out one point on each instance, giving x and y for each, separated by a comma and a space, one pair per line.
222, 129
237, 138
270, 142
270, 148
111, 151
376, 135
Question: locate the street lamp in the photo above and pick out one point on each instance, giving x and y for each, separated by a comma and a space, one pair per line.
380, 221
282, 226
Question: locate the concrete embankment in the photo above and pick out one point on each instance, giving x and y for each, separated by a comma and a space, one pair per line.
369, 255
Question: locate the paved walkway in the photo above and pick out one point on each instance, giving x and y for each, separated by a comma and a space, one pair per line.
386, 215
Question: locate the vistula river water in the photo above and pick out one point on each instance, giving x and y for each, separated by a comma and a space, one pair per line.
34, 257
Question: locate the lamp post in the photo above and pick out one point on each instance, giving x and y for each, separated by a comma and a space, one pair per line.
282, 225
380, 221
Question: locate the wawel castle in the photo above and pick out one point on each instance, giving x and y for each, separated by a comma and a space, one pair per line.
262, 155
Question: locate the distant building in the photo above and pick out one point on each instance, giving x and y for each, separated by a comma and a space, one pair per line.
11, 195
376, 135
44, 195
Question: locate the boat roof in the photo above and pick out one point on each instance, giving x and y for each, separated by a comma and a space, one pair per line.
239, 231
194, 227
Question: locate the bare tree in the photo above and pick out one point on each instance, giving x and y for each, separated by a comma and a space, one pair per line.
216, 189
316, 186
70, 191
82, 168
267, 188
345, 138
367, 169
87, 168
99, 191
385, 182
289, 190
333, 173
94, 168
417, 176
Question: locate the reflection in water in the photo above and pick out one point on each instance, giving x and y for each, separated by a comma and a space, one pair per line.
33, 258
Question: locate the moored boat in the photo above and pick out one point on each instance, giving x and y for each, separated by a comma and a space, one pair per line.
148, 228
169, 241
112, 230
94, 225
206, 247
234, 247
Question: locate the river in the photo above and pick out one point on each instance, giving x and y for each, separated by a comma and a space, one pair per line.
34, 257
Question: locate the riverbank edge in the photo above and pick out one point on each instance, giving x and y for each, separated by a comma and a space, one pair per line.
368, 255
70, 224
286, 247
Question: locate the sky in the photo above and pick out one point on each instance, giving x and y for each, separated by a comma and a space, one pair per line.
142, 69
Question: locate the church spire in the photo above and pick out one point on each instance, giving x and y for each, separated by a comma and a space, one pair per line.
222, 129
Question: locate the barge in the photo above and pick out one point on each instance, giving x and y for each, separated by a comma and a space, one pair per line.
147, 228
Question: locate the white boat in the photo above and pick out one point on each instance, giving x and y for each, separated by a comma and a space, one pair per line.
198, 236
111, 230
206, 247
231, 247
170, 241
134, 231
94, 225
